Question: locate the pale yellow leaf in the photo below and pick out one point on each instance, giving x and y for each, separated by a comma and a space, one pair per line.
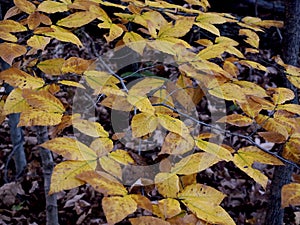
115, 31
38, 42
290, 195
10, 51
102, 146
77, 19
52, 7
142, 124
134, 41
8, 36
20, 79
103, 183
254, 65
70, 149
93, 129
181, 27
35, 117
25, 6
174, 144
212, 18
251, 37
236, 119
148, 220
228, 91
167, 184
52, 66
142, 103
64, 174
164, 46
111, 166
71, 83
11, 26
117, 208
169, 207
15, 103
97, 79
121, 156
145, 85
209, 27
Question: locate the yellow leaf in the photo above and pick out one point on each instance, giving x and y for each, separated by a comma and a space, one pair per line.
8, 37
167, 184
63, 35
228, 91
142, 124
174, 125
145, 85
71, 83
115, 31
290, 195
20, 79
111, 166
142, 201
2, 115
252, 38
52, 7
281, 95
254, 65
236, 119
35, 117
250, 88
70, 149
194, 163
15, 103
103, 183
121, 156
181, 27
142, 103
148, 220
11, 26
164, 46
291, 148
100, 13
134, 41
102, 146
169, 207
77, 19
231, 68
117, 103
212, 18
10, 51
221, 152
97, 79
34, 20
209, 27
38, 42
245, 157
293, 108
43, 100
25, 6
93, 129
51, 66
75, 65
64, 174
117, 208
174, 144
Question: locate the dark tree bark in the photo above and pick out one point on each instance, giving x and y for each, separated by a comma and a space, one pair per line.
291, 44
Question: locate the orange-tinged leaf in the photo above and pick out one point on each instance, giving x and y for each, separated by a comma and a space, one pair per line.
272, 137
169, 207
252, 38
102, 146
75, 65
77, 19
148, 220
174, 125
63, 35
167, 184
291, 148
174, 144
52, 66
93, 129
38, 42
70, 149
15, 103
34, 20
121, 156
11, 26
214, 149
142, 201
66, 121
64, 174
117, 103
117, 208
35, 117
194, 163
290, 195
20, 79
52, 7
142, 124
10, 51
25, 6
111, 166
281, 95
142, 103
237, 120
134, 41
43, 100
103, 183
293, 108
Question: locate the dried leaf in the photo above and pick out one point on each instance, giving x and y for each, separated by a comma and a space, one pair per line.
10, 51
237, 120
290, 195
174, 144
147, 220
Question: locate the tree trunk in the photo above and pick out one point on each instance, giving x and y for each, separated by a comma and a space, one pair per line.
291, 44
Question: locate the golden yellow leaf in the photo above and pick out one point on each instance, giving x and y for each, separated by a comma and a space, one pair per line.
100, 13
142, 201
97, 79
174, 144
52, 7
145, 85
195, 163
264, 104
65, 173
293, 108
221, 152
181, 27
236, 119
102, 146
93, 129
10, 51
2, 115
251, 37
117, 208
250, 88
103, 183
291, 148
111, 166
77, 19
11, 26
290, 195
254, 65
38, 42
209, 27
142, 103
169, 207
62, 35
164, 46
20, 79
142, 124
15, 103
25, 6
71, 83
281, 95
43, 100
167, 184
75, 65
121, 156
245, 157
35, 117
231, 68
188, 180
117, 103
34, 20
52, 66
8, 36
115, 31
228, 91
134, 41
70, 149
148, 220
